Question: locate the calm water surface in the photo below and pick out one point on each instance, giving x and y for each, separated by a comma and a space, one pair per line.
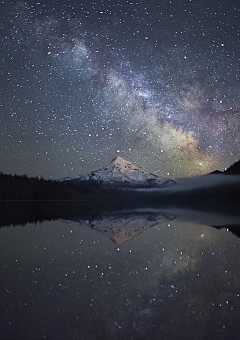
119, 278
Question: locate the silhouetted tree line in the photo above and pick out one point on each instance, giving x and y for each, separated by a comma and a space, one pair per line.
24, 188
15, 187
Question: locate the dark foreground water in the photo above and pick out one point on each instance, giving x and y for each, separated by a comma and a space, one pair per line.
129, 276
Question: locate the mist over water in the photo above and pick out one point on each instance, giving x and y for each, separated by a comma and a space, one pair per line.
200, 182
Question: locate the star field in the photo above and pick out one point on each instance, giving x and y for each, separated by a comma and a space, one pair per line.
156, 82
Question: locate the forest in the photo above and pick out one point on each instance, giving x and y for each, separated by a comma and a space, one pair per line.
24, 188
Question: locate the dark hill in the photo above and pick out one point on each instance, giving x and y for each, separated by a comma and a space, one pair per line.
233, 169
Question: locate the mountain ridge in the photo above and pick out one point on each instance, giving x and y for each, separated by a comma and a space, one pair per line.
234, 169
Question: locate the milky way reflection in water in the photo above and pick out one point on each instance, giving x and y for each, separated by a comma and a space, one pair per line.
74, 281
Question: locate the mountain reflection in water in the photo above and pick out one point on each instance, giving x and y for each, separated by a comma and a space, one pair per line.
166, 275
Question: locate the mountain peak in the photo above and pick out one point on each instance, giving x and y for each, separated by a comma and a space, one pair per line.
122, 172
121, 165
118, 159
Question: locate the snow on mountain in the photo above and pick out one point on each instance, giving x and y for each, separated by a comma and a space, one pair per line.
120, 171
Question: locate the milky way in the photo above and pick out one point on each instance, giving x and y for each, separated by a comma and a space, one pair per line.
156, 82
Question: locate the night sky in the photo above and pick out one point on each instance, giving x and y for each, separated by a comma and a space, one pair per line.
155, 82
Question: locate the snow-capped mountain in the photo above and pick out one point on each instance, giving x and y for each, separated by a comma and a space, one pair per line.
120, 171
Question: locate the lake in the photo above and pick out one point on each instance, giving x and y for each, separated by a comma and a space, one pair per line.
130, 275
